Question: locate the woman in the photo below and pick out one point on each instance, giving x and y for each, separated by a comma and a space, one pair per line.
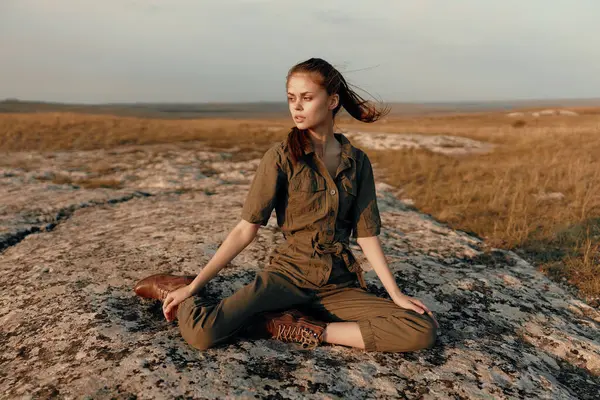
311, 291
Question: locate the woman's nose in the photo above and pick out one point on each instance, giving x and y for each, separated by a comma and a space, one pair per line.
298, 106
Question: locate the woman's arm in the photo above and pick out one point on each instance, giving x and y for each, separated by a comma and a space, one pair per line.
237, 240
260, 201
239, 237
371, 247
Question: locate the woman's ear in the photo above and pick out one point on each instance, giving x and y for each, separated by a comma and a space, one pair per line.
334, 101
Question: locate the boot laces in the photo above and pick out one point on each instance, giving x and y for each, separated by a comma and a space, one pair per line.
307, 338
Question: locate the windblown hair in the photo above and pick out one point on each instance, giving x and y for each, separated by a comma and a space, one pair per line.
334, 83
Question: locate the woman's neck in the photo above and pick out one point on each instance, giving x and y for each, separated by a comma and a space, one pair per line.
322, 138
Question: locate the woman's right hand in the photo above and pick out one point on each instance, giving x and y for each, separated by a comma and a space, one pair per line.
172, 301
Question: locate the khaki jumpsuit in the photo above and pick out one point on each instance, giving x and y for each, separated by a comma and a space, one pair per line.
313, 270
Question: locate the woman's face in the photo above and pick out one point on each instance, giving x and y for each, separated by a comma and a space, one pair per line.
309, 103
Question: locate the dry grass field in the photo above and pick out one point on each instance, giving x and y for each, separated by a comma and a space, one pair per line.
537, 193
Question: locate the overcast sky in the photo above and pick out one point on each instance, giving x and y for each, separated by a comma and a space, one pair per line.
240, 50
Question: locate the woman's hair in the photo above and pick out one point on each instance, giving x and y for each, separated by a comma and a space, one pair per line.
333, 82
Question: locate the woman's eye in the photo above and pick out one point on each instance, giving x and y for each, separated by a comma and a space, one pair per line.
307, 98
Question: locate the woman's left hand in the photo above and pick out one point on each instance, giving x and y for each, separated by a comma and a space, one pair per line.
172, 301
411, 303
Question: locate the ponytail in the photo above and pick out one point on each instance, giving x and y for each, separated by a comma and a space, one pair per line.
333, 82
296, 141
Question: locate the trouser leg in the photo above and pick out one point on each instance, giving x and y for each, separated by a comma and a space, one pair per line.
384, 326
204, 325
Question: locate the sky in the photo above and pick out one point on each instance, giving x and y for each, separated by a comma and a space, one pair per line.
83, 51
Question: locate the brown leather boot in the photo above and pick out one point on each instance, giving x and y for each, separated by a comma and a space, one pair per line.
295, 327
159, 285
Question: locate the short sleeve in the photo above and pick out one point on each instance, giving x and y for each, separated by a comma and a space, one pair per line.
367, 221
264, 189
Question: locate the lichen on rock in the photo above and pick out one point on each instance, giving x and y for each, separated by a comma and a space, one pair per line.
71, 326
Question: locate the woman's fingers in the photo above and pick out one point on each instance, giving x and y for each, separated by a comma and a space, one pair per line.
406, 302
167, 305
420, 304
173, 312
416, 305
427, 310
417, 308
170, 306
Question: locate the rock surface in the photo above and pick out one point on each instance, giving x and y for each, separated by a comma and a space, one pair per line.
444, 144
71, 326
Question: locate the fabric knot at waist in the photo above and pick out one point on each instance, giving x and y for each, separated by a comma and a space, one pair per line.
310, 240
336, 248
341, 249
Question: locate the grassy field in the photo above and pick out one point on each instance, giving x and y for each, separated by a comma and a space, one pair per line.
538, 193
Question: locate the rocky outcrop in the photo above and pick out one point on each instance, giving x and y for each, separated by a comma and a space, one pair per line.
71, 326
444, 144
542, 113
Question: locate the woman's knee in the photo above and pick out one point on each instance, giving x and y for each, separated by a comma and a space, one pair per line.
196, 335
421, 333
429, 334
201, 339
190, 326
426, 333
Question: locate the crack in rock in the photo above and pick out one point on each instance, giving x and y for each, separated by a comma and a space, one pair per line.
11, 239
72, 327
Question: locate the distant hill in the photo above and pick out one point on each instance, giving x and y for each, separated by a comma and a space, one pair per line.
271, 109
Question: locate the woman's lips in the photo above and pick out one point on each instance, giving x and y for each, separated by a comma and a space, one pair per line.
299, 119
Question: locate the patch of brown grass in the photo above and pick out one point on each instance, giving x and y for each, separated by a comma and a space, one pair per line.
94, 183
70, 131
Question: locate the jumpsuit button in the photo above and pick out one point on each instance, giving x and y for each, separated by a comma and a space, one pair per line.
332, 192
